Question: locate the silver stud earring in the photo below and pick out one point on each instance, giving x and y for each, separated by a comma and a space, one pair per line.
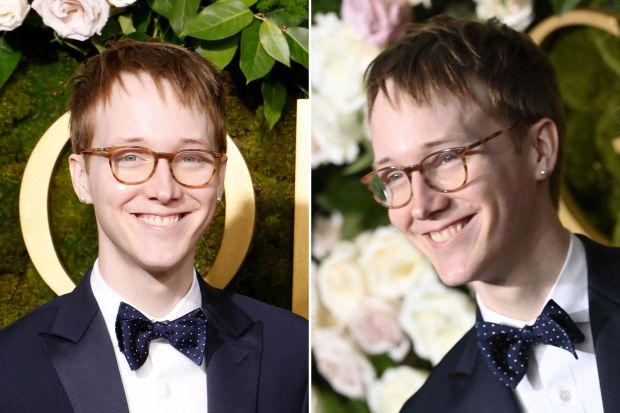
219, 199
543, 172
82, 199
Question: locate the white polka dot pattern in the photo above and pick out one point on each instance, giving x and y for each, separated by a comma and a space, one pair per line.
506, 349
134, 332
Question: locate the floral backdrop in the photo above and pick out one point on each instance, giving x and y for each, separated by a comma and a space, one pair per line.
262, 46
380, 317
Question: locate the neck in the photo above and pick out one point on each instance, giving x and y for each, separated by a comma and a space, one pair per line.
153, 291
529, 276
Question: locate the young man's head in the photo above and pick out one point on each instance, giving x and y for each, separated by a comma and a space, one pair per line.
491, 93
148, 131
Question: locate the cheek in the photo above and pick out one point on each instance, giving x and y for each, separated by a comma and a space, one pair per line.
400, 218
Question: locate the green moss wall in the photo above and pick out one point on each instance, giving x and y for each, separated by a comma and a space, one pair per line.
35, 96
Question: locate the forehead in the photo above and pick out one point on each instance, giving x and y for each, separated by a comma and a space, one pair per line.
404, 128
142, 109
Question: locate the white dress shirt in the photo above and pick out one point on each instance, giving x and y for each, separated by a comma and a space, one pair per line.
555, 381
168, 381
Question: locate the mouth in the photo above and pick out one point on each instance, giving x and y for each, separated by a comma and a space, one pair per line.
161, 221
448, 233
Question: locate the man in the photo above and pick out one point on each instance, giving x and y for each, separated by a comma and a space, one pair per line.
467, 128
143, 332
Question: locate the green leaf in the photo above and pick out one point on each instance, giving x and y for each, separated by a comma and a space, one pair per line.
287, 16
141, 19
184, 12
9, 60
247, 2
297, 38
273, 41
562, 6
163, 7
274, 98
126, 24
219, 52
220, 20
254, 62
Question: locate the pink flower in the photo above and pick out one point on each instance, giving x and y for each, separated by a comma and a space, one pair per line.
73, 19
377, 20
376, 329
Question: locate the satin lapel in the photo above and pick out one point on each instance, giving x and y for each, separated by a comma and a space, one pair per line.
604, 297
474, 388
234, 349
80, 349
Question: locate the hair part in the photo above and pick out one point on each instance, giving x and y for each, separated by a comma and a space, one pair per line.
490, 64
195, 82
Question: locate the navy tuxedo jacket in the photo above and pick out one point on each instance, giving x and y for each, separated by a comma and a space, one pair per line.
463, 383
60, 359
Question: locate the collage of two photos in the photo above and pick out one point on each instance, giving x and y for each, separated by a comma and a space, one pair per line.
371, 206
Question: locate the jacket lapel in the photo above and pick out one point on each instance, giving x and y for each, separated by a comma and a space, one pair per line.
234, 349
604, 297
80, 350
474, 388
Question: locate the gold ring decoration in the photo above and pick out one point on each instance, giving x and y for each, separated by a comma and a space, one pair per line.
571, 214
35, 224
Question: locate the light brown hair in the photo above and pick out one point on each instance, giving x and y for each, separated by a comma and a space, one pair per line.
464, 58
196, 83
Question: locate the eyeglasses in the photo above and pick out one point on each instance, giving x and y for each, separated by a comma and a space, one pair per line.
443, 171
133, 165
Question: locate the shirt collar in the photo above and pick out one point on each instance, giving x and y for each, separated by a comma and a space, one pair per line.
109, 301
570, 290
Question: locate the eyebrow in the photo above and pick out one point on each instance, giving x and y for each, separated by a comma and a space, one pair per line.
446, 143
140, 140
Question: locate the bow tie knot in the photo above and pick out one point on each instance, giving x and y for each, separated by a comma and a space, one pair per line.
135, 331
506, 349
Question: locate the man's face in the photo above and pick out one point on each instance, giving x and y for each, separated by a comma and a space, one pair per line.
154, 225
475, 233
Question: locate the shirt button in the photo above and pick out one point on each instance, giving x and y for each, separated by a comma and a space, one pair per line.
565, 395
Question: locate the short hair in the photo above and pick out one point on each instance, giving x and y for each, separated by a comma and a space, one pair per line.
196, 83
464, 58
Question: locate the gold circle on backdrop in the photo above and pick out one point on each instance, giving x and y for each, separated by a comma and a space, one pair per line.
35, 225
571, 214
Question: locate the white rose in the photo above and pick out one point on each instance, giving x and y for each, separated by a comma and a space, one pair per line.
393, 389
517, 14
73, 19
325, 234
375, 327
436, 317
121, 3
391, 264
335, 135
341, 282
12, 13
340, 57
341, 364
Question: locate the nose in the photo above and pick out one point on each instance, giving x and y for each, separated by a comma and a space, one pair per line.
425, 201
162, 185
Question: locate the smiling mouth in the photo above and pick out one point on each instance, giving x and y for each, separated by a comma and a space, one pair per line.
160, 221
449, 232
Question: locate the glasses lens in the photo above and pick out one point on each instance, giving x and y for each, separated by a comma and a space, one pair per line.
391, 187
132, 165
445, 171
194, 168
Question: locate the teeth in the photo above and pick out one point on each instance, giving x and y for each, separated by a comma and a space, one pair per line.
447, 233
159, 221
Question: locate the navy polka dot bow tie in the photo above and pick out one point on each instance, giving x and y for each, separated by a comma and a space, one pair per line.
134, 332
506, 349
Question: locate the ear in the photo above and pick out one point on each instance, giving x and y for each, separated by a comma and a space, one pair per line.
79, 178
544, 145
221, 175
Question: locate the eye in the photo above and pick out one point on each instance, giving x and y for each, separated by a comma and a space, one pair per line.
189, 158
130, 156
393, 177
447, 157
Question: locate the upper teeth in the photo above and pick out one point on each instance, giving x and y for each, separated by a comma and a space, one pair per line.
159, 220
447, 233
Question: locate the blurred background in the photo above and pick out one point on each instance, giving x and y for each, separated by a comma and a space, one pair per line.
262, 45
380, 318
